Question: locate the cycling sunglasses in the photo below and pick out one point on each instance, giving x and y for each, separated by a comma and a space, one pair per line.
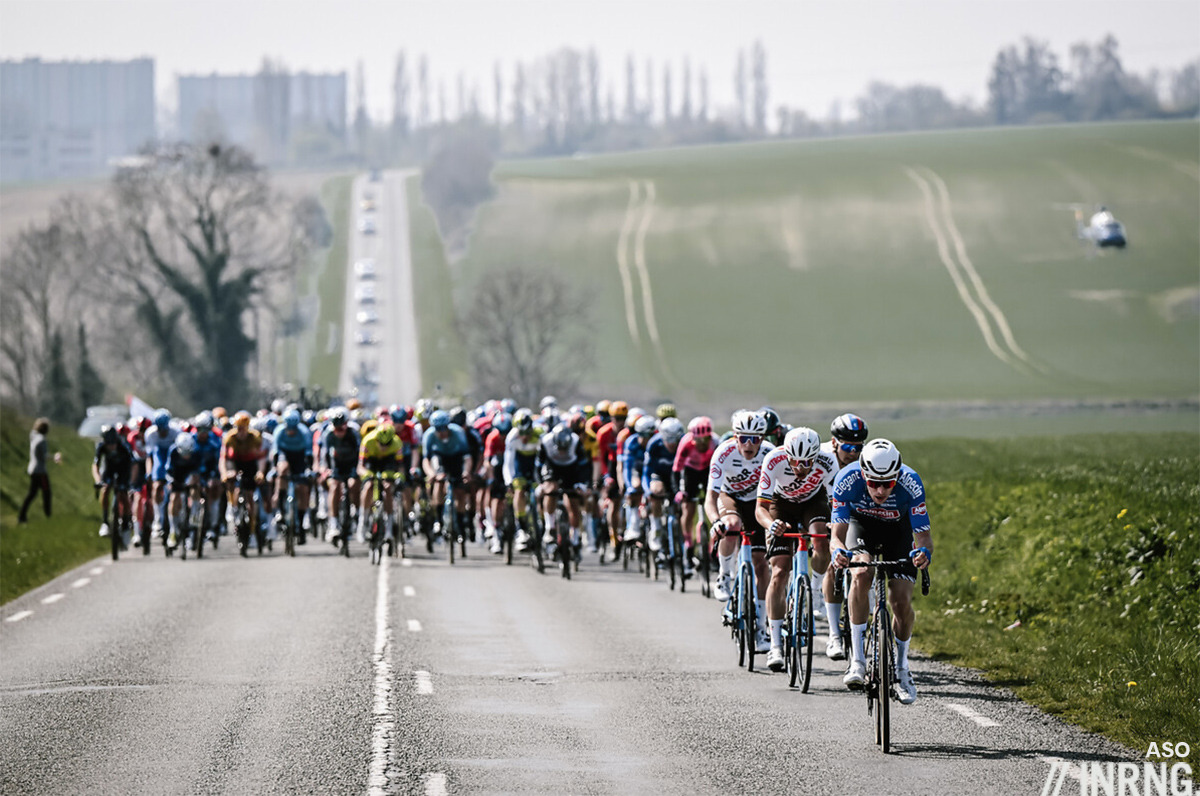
748, 439
851, 447
881, 484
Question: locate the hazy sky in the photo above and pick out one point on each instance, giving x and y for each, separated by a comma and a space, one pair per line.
818, 51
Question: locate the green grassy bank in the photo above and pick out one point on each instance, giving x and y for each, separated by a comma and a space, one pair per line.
43, 549
1092, 544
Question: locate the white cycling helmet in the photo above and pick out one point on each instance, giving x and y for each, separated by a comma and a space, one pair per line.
802, 444
880, 461
671, 429
749, 423
645, 425
186, 443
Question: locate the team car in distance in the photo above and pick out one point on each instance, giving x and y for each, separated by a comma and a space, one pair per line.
1102, 229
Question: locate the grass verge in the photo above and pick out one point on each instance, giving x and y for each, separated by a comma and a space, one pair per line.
1092, 544
43, 549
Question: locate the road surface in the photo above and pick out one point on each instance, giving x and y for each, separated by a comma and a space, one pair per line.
393, 360
321, 674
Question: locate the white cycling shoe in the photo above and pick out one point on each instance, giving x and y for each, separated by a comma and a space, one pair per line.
632, 534
834, 649
721, 590
775, 659
104, 529
762, 641
903, 689
856, 675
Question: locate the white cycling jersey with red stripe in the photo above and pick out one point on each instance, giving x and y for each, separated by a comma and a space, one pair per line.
780, 482
734, 474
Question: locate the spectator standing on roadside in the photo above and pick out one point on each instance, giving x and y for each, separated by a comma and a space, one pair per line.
39, 479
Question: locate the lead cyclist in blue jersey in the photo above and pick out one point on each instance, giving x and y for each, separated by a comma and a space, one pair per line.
446, 452
879, 502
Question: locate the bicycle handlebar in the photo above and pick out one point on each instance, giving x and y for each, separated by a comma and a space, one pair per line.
924, 572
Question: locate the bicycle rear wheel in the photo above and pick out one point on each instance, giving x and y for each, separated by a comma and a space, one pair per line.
565, 553
886, 679
673, 557
791, 649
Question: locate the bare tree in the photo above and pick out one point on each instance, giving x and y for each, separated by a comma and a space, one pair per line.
667, 98
423, 103
528, 333
191, 243
498, 94
631, 107
43, 269
593, 80
400, 94
739, 87
760, 88
686, 109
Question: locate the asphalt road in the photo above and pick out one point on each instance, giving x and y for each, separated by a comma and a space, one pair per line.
394, 358
325, 675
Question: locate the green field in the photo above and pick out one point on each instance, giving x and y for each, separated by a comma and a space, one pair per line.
801, 272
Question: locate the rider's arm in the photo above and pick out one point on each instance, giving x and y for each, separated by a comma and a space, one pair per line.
711, 509
764, 511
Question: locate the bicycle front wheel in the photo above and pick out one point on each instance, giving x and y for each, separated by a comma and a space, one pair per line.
804, 634
749, 612
886, 679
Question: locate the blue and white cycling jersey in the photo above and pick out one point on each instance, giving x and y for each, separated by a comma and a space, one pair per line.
158, 446
906, 503
633, 457
658, 461
294, 443
209, 452
455, 445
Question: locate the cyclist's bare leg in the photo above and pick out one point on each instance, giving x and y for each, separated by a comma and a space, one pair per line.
900, 600
781, 572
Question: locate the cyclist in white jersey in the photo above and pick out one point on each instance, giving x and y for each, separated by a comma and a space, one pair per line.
847, 432
732, 488
793, 495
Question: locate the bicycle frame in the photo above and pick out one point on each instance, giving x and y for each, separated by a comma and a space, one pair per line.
740, 609
798, 622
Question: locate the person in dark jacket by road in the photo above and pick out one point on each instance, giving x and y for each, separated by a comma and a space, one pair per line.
39, 478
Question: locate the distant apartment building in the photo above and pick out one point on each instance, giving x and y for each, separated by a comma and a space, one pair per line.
263, 112
72, 118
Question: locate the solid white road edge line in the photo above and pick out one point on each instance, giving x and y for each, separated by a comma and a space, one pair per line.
978, 718
385, 725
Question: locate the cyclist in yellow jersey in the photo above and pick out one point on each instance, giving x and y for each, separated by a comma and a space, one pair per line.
379, 453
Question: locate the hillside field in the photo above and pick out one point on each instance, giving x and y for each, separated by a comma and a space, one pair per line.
904, 268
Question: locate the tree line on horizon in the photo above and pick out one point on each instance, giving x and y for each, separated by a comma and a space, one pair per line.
564, 102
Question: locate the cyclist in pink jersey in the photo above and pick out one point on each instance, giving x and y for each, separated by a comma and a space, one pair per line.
692, 460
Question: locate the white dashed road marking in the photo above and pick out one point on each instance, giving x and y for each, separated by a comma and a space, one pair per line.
96, 571
414, 626
978, 718
406, 562
53, 598
385, 723
81, 583
18, 616
409, 591
424, 682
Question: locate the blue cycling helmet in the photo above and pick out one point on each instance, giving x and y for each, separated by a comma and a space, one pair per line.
502, 422
292, 419
440, 419
508, 406
398, 413
309, 417
162, 419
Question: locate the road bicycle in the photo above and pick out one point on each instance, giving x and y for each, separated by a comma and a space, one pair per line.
564, 548
798, 621
676, 556
290, 511
451, 531
199, 525
880, 648
639, 548
741, 610
377, 540
533, 523
122, 521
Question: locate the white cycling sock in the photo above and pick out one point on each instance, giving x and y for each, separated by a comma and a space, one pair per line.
902, 654
760, 607
776, 632
833, 612
550, 521
856, 641
726, 563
